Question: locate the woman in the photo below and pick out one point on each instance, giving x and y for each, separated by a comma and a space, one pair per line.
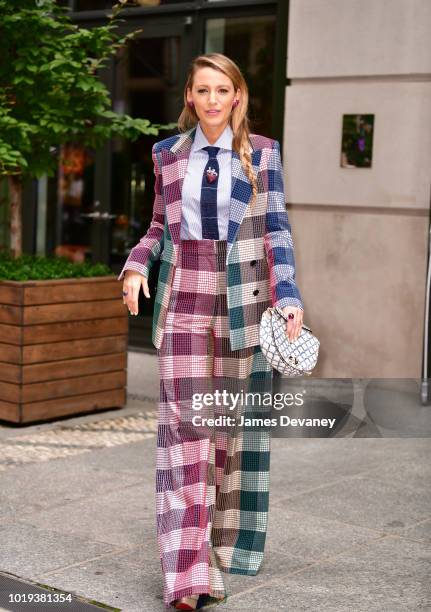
221, 230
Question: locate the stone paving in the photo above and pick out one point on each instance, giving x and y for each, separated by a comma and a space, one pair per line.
67, 441
349, 527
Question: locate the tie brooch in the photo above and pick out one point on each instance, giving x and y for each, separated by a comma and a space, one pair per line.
211, 175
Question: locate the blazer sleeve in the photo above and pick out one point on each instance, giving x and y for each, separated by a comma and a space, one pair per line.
278, 240
148, 250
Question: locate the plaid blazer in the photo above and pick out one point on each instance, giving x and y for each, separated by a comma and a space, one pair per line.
260, 263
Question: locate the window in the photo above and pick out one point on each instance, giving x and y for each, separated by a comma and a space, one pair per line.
249, 41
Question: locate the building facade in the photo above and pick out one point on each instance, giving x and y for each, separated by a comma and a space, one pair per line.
361, 233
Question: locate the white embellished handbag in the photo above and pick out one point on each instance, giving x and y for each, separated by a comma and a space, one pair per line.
296, 358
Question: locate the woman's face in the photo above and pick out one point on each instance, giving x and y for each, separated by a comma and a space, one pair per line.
212, 90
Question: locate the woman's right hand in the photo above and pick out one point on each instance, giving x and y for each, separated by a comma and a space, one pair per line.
132, 284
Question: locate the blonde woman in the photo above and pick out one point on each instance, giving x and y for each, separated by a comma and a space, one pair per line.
221, 230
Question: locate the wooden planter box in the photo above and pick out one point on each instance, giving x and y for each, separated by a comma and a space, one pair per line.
63, 347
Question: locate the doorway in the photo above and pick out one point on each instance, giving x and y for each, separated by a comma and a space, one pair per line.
100, 211
147, 82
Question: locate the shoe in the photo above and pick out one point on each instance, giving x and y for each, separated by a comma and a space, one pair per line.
187, 603
206, 599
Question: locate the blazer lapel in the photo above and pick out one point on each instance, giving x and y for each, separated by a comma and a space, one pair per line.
239, 198
174, 162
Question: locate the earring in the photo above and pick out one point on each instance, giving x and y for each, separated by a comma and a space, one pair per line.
235, 104
191, 104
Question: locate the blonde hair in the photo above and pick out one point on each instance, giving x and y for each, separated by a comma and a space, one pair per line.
239, 121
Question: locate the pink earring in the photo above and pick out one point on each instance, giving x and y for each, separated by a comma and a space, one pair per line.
191, 104
235, 104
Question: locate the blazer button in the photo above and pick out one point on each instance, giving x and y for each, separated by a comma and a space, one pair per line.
253, 262
256, 291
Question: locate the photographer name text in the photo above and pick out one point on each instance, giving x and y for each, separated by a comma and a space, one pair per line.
282, 420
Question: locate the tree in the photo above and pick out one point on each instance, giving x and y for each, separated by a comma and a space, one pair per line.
51, 94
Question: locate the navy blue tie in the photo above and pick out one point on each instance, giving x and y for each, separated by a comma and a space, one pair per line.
209, 195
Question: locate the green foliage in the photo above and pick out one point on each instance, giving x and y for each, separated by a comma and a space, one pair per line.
50, 91
37, 267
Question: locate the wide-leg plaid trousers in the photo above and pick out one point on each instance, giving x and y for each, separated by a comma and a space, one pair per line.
212, 481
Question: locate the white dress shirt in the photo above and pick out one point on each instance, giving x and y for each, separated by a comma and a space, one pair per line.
191, 223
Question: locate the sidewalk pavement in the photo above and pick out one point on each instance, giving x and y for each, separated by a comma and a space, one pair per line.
349, 524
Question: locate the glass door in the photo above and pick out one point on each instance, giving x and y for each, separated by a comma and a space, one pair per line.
250, 41
147, 82
66, 201
99, 204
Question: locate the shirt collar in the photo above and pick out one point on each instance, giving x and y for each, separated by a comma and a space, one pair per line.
224, 141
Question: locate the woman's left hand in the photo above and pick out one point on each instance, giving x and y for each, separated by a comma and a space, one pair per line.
293, 326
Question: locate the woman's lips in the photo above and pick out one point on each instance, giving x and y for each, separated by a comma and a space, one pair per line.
212, 112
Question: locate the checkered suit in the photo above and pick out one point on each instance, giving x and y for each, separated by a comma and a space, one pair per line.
260, 264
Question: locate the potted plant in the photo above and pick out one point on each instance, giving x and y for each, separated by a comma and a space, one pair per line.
63, 338
63, 327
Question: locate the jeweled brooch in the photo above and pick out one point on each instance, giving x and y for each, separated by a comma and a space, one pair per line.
212, 174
